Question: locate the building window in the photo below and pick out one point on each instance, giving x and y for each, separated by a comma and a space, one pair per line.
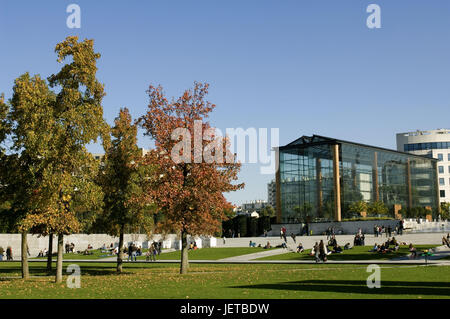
448, 157
441, 181
441, 157
441, 169
449, 169
442, 193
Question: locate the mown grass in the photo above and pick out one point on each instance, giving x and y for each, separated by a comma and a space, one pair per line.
209, 253
152, 280
356, 253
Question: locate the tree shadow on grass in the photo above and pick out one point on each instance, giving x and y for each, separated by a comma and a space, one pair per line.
91, 270
360, 287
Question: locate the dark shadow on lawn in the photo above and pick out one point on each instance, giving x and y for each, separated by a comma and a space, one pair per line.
91, 270
360, 287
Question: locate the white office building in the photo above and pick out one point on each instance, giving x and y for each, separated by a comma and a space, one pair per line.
432, 143
272, 193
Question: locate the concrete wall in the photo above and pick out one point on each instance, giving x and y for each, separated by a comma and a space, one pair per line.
81, 241
350, 227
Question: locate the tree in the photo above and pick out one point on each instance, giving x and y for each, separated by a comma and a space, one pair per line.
186, 187
358, 207
377, 208
31, 125
303, 211
445, 210
268, 211
122, 178
68, 187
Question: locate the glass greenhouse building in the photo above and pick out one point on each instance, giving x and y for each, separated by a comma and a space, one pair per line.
320, 177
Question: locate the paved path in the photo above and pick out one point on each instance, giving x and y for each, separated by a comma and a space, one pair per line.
248, 257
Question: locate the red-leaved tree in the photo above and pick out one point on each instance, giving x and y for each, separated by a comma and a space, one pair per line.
193, 166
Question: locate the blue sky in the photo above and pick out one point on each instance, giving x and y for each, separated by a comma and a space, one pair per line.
305, 67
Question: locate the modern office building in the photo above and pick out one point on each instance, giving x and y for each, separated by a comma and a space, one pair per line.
254, 206
433, 143
318, 178
272, 193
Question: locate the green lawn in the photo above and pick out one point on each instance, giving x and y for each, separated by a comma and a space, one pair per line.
356, 253
97, 254
152, 280
209, 253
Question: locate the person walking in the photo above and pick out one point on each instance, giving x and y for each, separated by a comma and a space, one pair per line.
316, 252
293, 238
1, 253
322, 252
9, 254
130, 249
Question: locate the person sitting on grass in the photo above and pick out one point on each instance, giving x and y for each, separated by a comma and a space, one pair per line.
413, 251
332, 241
375, 248
337, 249
446, 242
267, 246
300, 248
347, 246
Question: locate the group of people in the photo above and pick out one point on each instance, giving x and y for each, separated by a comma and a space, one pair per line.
320, 252
70, 248
359, 239
9, 254
386, 246
378, 231
153, 250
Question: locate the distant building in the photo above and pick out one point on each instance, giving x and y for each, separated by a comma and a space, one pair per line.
435, 144
320, 177
254, 206
272, 193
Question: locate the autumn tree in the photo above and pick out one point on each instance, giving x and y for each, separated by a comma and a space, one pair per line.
122, 177
193, 165
67, 185
30, 123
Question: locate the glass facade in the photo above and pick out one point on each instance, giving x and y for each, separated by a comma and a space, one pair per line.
426, 146
307, 186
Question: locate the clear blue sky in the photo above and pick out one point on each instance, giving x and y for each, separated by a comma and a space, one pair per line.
306, 67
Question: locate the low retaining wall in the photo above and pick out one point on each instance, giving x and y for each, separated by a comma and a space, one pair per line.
341, 228
37, 243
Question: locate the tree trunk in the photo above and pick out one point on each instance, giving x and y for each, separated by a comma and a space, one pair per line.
120, 254
25, 270
50, 253
184, 253
59, 261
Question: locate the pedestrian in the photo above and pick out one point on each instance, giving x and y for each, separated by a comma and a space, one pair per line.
1, 253
322, 253
316, 252
9, 253
130, 250
389, 231
293, 238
